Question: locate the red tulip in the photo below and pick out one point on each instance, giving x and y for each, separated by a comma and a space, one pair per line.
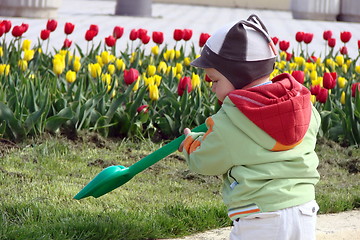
134, 35
130, 76
284, 45
118, 32
355, 87
345, 36
184, 83
95, 29
323, 95
89, 35
315, 89
332, 42
51, 25
203, 38
334, 75
158, 37
299, 36
207, 79
145, 39
7, 24
67, 43
328, 81
344, 50
69, 28
143, 109
312, 59
327, 35
17, 31
358, 44
44, 34
187, 34
110, 41
141, 33
178, 34
275, 40
299, 76
2, 29
25, 27
308, 37
288, 56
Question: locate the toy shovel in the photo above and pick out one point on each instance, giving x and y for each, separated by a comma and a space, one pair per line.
114, 176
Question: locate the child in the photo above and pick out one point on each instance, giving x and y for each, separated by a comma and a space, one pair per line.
262, 139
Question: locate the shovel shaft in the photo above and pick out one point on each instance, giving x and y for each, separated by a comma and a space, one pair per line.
162, 152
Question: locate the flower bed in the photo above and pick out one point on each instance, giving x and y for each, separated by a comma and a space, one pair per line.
157, 94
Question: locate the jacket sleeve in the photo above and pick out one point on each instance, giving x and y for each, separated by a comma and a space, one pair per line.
206, 153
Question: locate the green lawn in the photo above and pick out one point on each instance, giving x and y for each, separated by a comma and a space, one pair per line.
38, 179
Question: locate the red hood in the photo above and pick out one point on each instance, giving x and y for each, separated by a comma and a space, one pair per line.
281, 109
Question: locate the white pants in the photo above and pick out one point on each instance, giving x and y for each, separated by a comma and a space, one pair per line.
294, 223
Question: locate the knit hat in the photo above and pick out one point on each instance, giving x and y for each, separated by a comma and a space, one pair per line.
242, 52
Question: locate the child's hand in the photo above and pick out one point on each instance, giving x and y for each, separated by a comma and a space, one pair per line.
186, 132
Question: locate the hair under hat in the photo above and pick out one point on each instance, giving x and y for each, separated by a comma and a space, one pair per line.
242, 52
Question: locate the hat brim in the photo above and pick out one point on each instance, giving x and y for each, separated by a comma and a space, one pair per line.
202, 62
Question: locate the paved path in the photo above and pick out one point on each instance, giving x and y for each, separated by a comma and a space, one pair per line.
167, 17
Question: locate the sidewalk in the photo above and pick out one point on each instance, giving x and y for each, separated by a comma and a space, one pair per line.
340, 226
167, 17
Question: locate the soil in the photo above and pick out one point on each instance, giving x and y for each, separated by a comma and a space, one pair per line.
339, 226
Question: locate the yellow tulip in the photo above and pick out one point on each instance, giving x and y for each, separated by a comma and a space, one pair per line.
106, 78
4, 69
178, 76
318, 61
28, 55
344, 68
177, 54
113, 93
339, 60
173, 71
313, 76
187, 61
179, 68
162, 67
300, 61
155, 50
111, 68
76, 65
26, 45
133, 57
153, 92
120, 65
195, 80
136, 86
148, 80
94, 69
342, 82
63, 52
357, 69
23, 65
157, 79
292, 66
70, 76
348, 62
58, 66
310, 67
281, 65
342, 98
169, 54
313, 99
274, 73
282, 55
331, 64
105, 57
151, 70
1, 51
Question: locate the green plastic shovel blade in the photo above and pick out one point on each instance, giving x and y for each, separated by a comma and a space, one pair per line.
114, 176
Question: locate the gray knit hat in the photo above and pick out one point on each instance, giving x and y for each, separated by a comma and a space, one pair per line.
242, 52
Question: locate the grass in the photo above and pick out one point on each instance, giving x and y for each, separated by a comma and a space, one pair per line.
39, 178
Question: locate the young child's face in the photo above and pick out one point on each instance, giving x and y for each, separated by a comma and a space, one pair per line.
221, 86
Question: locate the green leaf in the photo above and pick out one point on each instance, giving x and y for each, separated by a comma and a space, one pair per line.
14, 124
55, 122
137, 102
